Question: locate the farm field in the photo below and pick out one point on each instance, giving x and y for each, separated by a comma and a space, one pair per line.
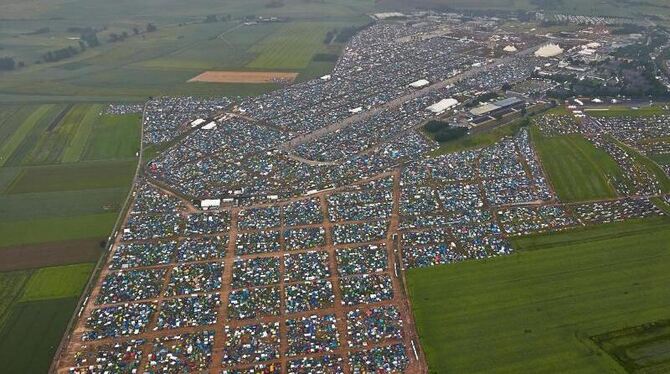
65, 171
35, 309
183, 46
537, 310
577, 170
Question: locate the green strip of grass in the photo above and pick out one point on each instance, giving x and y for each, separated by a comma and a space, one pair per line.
77, 144
77, 176
57, 282
24, 206
56, 229
11, 288
534, 311
18, 136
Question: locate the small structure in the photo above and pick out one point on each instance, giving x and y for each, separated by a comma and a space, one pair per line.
197, 122
208, 204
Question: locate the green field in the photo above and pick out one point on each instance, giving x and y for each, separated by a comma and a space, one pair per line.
577, 170
32, 333
11, 288
79, 176
57, 282
35, 307
536, 310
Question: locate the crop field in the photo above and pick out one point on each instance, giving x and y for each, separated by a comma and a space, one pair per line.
11, 287
68, 169
34, 310
577, 170
538, 310
79, 176
183, 46
65, 170
32, 332
57, 282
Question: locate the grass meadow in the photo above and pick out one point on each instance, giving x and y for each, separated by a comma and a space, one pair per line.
536, 310
577, 170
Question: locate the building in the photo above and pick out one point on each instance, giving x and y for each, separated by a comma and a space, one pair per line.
487, 111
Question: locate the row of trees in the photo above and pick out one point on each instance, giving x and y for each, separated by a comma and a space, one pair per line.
443, 132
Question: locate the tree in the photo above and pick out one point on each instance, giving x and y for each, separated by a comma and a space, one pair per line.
90, 37
151, 27
7, 63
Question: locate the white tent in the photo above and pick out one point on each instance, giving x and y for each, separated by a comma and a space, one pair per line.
420, 83
442, 105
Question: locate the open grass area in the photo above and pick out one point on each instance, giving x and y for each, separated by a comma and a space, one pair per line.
577, 170
57, 282
536, 310
642, 348
627, 111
